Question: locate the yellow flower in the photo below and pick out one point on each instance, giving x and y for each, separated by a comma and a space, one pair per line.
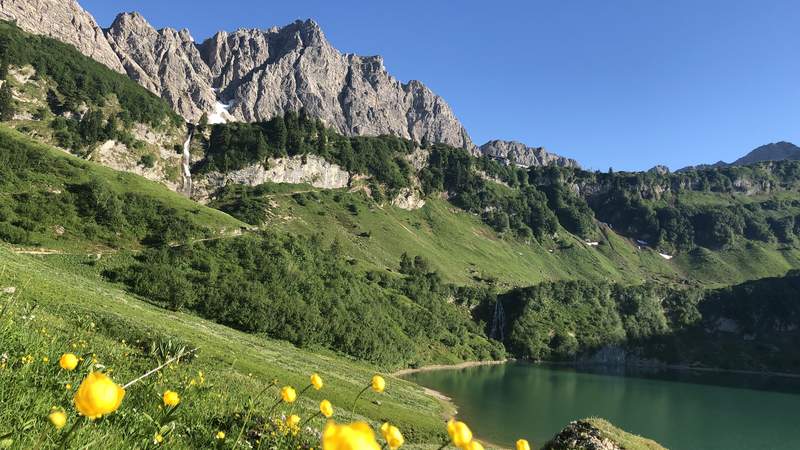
459, 433
293, 421
378, 383
68, 386
316, 381
58, 419
288, 394
326, 408
356, 436
98, 395
473, 445
158, 438
392, 436
68, 361
220, 435
522, 444
171, 398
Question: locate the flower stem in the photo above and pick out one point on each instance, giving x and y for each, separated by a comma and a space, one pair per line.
309, 419
166, 363
353, 409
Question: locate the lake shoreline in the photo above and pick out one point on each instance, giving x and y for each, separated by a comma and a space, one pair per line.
463, 365
577, 365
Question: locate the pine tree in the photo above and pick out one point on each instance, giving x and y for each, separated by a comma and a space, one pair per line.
6, 103
201, 126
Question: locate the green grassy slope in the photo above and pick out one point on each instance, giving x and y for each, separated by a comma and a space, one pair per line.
465, 250
238, 365
45, 174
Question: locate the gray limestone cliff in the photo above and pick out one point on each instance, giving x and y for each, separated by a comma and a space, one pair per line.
522, 155
261, 74
166, 62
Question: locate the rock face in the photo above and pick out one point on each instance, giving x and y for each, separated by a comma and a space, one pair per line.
520, 154
261, 74
64, 20
166, 62
311, 170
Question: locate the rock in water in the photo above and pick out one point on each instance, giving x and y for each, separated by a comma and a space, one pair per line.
64, 20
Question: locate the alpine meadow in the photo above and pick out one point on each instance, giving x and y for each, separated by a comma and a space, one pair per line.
255, 240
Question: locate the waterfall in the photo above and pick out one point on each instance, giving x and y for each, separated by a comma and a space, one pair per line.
186, 161
498, 322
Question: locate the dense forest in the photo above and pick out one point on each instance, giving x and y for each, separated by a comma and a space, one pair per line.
754, 325
302, 291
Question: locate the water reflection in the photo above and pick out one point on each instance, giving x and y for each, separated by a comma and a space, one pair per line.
680, 409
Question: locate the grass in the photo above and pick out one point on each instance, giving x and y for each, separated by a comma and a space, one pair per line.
466, 251
72, 308
624, 439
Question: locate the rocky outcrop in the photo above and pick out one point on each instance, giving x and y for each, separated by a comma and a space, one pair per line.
597, 434
408, 199
64, 20
513, 152
166, 62
308, 169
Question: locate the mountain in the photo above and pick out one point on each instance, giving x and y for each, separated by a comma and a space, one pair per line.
64, 20
524, 156
257, 74
776, 151
261, 74
166, 62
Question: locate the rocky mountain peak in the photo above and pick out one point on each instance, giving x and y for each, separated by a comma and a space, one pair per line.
514, 152
254, 74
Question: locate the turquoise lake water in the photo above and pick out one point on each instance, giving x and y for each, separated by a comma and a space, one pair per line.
682, 410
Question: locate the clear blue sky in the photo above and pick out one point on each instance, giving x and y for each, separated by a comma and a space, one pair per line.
622, 83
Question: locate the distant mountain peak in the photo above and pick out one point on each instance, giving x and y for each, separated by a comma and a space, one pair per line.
776, 151
515, 152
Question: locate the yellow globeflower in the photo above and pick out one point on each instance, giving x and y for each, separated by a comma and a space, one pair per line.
98, 395
288, 394
473, 445
158, 438
316, 381
356, 436
392, 436
326, 408
293, 421
378, 383
459, 433
171, 398
220, 435
522, 444
58, 419
68, 361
